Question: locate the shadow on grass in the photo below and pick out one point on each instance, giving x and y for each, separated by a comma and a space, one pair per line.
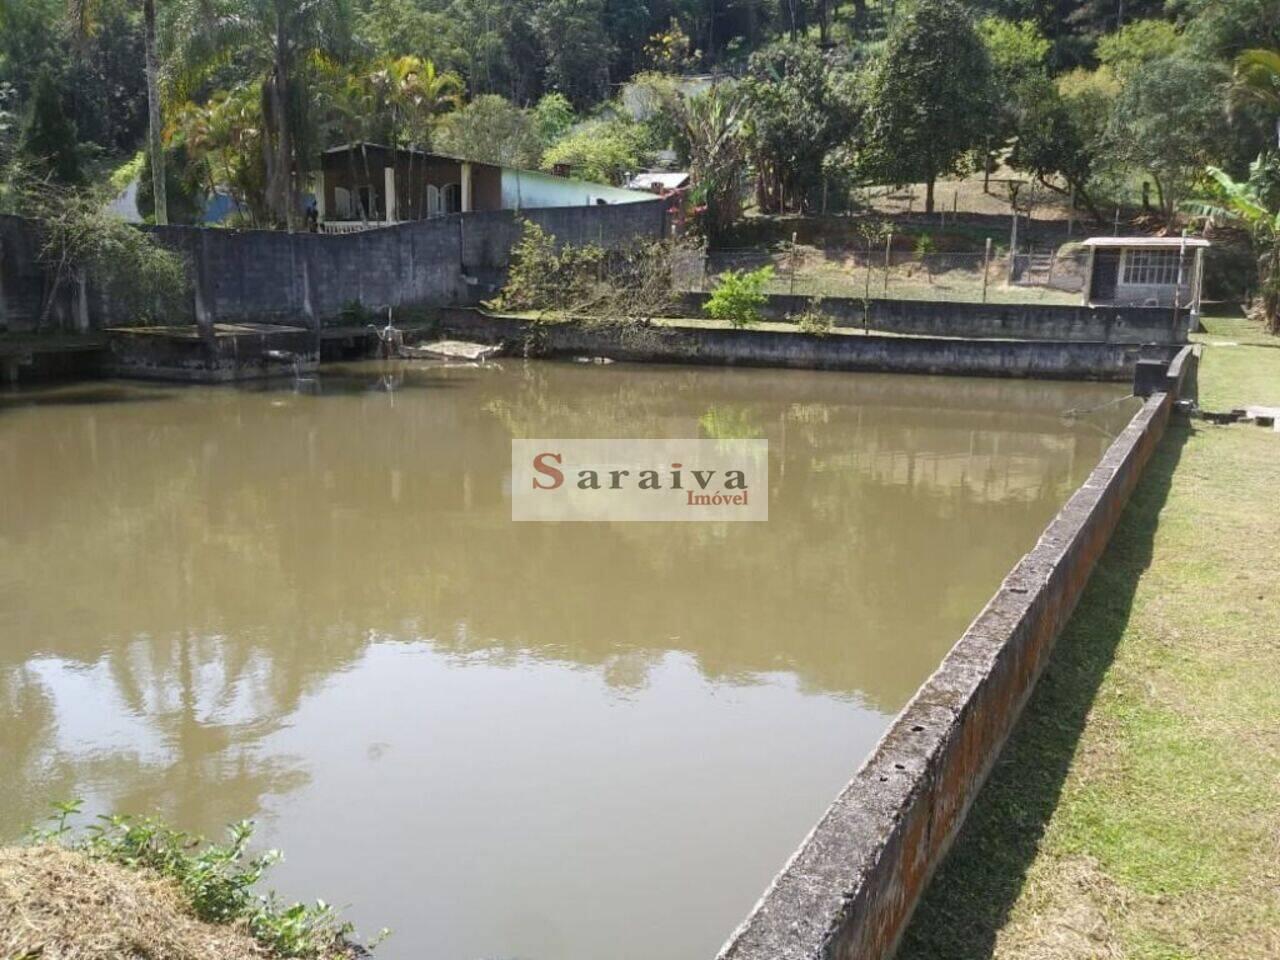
977, 885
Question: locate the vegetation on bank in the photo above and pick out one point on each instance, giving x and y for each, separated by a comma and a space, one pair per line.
1133, 811
129, 886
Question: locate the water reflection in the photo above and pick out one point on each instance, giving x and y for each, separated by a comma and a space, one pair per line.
311, 606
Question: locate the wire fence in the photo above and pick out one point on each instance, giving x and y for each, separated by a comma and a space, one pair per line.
995, 276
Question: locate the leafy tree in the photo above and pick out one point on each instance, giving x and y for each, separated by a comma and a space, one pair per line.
553, 117
492, 129
738, 296
1017, 50
576, 46
1136, 44
1166, 121
799, 107
394, 28
48, 140
1053, 139
929, 96
1257, 79
1220, 31
606, 151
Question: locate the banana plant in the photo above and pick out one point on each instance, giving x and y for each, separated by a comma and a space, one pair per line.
1249, 205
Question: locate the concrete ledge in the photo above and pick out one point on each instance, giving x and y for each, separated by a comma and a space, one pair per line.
851, 888
951, 318
232, 352
1042, 359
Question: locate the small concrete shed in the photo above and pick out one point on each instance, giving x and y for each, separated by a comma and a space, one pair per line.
1145, 272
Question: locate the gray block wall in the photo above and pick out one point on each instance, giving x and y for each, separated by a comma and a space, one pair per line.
1014, 321
271, 276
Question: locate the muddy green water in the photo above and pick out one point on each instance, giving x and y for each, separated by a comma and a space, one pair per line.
307, 605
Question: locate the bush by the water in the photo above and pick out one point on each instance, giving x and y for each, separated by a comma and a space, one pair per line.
133, 886
814, 320
586, 281
738, 296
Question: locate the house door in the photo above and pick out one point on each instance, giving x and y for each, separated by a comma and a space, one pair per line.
1106, 274
369, 199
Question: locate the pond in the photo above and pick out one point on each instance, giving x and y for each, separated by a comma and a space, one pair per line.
306, 604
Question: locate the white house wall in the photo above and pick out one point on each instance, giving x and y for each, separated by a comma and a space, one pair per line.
526, 189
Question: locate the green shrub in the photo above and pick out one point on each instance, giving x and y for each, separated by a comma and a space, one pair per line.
542, 278
738, 296
814, 319
217, 879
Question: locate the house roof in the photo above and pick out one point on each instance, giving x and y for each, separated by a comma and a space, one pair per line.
1147, 242
430, 154
668, 181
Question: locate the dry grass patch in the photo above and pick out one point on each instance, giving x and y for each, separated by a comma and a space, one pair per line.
59, 904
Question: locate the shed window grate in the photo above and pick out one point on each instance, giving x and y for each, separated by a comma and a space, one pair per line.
1151, 267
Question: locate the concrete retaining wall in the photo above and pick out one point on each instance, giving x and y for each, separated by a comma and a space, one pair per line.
849, 891
1015, 321
218, 357
763, 348
268, 276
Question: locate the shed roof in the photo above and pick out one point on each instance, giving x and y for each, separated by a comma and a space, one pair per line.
668, 181
1147, 242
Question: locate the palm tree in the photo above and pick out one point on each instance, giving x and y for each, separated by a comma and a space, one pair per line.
410, 93
1257, 78
1246, 204
275, 41
223, 137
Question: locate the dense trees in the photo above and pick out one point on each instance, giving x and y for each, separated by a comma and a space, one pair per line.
811, 97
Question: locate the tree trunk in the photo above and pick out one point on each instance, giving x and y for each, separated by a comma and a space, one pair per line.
284, 139
155, 147
1166, 208
1083, 195
928, 193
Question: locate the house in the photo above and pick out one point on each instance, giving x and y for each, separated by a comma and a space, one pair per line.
1145, 272
361, 185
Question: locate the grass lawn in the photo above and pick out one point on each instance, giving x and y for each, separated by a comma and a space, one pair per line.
1135, 812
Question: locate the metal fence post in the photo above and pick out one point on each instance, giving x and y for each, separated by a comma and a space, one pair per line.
793, 264
986, 269
888, 245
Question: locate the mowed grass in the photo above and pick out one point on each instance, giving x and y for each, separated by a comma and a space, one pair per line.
1135, 812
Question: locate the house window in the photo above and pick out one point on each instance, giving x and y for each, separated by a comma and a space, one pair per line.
1150, 268
451, 197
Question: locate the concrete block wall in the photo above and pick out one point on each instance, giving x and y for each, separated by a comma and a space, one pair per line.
849, 891
1018, 321
275, 277
1042, 359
